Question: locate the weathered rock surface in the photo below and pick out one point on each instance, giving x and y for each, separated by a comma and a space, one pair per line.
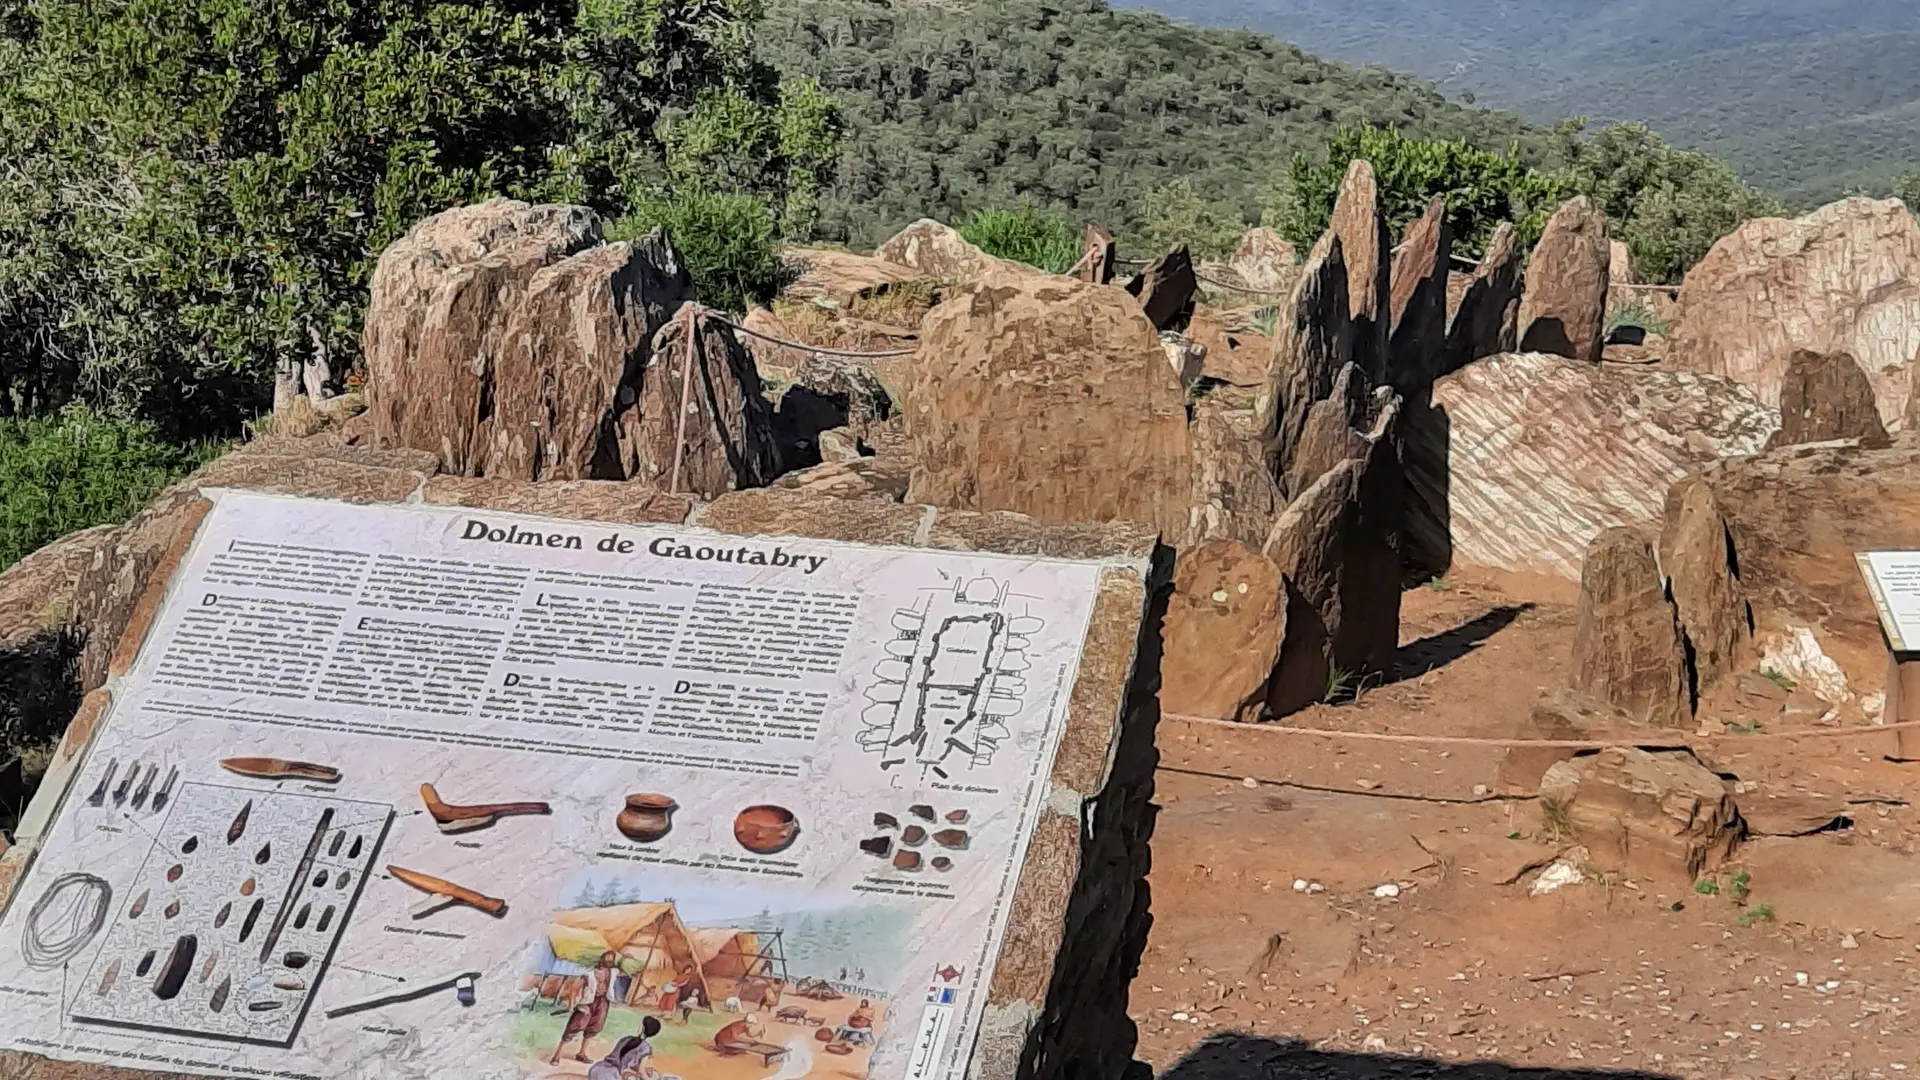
1620, 269
1563, 714
1697, 557
1843, 279
1365, 248
1485, 320
842, 277
436, 321
1235, 495
1225, 622
932, 250
722, 436
1825, 396
1264, 261
1165, 289
1661, 814
1313, 340
1052, 398
827, 393
573, 358
1627, 650
1525, 457
1417, 336
1564, 308
1797, 516
1235, 355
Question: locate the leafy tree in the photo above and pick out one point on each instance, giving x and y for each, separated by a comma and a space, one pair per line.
1026, 235
196, 189
63, 473
1670, 206
1176, 213
1482, 188
1907, 190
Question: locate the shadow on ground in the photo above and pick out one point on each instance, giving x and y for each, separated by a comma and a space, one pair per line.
1251, 1057
1438, 650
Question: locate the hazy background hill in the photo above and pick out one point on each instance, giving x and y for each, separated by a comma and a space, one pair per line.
1806, 98
1113, 116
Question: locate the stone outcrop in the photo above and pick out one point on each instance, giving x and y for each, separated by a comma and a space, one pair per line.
1235, 354
1485, 320
1235, 495
1565, 715
932, 250
1697, 556
1825, 396
573, 356
842, 278
1053, 398
437, 314
1564, 308
1843, 279
1365, 251
1627, 650
1417, 336
1264, 262
1524, 458
1165, 289
1337, 544
1664, 815
1313, 340
1797, 516
710, 405
1225, 621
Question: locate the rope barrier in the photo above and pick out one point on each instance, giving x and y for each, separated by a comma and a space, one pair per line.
804, 347
1652, 736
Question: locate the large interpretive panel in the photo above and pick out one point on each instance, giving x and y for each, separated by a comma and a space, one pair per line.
418, 790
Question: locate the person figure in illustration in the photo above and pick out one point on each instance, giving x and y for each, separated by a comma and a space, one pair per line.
770, 997
669, 997
737, 1037
590, 1015
861, 1017
843, 974
629, 1058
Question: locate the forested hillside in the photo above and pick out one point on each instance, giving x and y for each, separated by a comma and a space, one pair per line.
1078, 107
1807, 98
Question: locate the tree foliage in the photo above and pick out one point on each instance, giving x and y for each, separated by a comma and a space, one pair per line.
196, 189
1668, 205
1482, 188
1027, 235
726, 241
1907, 190
78, 469
1078, 108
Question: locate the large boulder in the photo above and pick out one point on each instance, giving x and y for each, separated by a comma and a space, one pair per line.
1485, 319
1365, 248
1627, 649
931, 250
840, 278
1050, 397
1664, 815
1235, 354
1843, 279
1796, 517
1524, 458
1564, 308
1264, 262
1224, 624
1825, 396
574, 357
437, 314
1416, 343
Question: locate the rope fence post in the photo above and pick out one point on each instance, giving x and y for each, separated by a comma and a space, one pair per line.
691, 354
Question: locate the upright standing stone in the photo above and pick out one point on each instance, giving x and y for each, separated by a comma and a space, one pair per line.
728, 424
1264, 261
1417, 339
436, 319
1564, 309
1826, 396
1313, 340
1487, 321
1224, 626
1364, 245
1165, 289
1626, 640
1696, 552
1097, 255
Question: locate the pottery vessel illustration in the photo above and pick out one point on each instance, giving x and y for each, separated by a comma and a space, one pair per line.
765, 829
648, 817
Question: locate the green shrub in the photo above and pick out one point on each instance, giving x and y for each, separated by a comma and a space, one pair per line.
1907, 190
1482, 188
1026, 235
727, 242
76, 470
1175, 213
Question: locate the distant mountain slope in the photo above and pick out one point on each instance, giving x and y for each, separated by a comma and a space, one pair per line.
1075, 106
1804, 97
